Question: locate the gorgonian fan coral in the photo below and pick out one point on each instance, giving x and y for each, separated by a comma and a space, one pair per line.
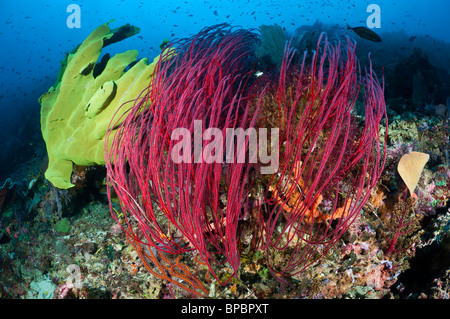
197, 197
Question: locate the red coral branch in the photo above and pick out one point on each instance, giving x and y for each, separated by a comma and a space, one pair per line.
176, 204
328, 162
339, 161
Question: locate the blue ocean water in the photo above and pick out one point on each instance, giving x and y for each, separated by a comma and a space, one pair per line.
35, 36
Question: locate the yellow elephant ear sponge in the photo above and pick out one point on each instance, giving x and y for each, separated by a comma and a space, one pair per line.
410, 168
76, 111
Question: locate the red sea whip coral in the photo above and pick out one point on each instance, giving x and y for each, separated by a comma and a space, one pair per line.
328, 161
176, 206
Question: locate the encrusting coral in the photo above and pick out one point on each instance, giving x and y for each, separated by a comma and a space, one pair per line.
76, 111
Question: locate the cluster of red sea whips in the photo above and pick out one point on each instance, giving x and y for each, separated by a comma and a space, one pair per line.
183, 187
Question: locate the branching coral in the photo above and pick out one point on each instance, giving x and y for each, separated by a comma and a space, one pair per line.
328, 164
173, 200
340, 160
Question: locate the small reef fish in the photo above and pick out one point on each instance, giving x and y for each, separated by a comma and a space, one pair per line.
365, 33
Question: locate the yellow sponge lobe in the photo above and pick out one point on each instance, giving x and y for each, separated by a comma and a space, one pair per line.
76, 111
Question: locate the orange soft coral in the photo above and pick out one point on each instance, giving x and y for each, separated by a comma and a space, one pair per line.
293, 203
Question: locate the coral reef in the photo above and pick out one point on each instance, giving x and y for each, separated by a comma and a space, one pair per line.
64, 244
327, 156
357, 267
